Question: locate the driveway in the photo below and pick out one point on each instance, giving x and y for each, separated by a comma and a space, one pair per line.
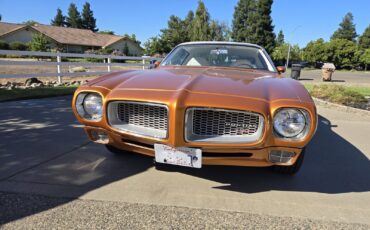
51, 175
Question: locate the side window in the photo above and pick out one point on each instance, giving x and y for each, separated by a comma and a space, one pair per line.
178, 57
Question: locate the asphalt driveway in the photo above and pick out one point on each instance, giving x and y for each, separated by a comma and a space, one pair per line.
49, 170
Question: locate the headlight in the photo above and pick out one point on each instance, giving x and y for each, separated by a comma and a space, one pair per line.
89, 106
291, 123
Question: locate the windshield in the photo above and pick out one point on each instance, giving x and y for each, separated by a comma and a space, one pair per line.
221, 55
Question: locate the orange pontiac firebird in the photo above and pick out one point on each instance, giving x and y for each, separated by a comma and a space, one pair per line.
206, 103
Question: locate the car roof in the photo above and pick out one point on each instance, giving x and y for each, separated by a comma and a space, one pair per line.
220, 43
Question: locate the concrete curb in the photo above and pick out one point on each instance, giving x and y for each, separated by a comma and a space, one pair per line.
341, 107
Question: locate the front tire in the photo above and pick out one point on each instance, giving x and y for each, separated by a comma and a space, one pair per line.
292, 169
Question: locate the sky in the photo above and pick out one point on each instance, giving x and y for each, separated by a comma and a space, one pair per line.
301, 21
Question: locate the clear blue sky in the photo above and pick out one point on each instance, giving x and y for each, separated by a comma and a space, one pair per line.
301, 21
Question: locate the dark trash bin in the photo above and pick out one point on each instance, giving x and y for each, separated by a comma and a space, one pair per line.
296, 71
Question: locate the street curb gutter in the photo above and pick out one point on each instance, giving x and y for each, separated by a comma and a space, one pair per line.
341, 107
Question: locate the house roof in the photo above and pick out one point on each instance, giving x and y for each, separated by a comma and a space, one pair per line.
63, 35
6, 28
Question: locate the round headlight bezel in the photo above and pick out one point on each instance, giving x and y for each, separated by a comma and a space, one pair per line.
81, 104
300, 134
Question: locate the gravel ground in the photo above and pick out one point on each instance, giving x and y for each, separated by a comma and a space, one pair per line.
20, 211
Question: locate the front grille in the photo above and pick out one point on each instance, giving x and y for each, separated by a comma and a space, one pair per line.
224, 126
141, 118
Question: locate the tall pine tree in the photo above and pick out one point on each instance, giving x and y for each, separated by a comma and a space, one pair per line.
244, 15
74, 17
364, 40
88, 21
346, 30
59, 19
200, 25
280, 38
265, 35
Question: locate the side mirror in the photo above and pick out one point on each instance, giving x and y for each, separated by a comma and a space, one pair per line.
156, 64
281, 69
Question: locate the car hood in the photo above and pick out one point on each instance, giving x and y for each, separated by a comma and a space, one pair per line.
212, 80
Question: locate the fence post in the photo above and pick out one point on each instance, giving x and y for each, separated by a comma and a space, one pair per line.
59, 60
109, 61
143, 63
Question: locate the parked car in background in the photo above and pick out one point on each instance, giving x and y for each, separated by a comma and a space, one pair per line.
207, 103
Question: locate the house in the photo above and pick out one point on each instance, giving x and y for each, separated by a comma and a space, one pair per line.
69, 40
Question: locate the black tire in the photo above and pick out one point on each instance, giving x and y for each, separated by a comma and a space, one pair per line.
293, 169
115, 150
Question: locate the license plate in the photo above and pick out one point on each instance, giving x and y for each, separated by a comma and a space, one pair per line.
188, 157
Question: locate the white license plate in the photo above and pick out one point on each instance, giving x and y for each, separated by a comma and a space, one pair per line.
182, 156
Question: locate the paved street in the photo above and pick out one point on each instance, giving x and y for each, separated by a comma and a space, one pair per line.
339, 77
51, 175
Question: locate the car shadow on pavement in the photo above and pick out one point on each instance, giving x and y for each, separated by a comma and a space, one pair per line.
332, 165
35, 135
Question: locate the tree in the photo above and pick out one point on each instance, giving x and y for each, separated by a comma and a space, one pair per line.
88, 21
315, 51
218, 31
1, 17
155, 45
106, 32
59, 19
343, 53
243, 14
30, 23
200, 25
346, 30
264, 33
39, 42
189, 21
133, 38
364, 40
74, 17
280, 38
365, 58
280, 53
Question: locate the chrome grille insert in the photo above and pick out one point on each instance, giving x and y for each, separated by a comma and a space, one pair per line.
222, 126
145, 119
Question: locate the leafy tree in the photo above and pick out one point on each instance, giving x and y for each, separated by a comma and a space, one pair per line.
280, 53
39, 42
106, 32
59, 19
1, 17
315, 51
219, 31
364, 40
280, 38
175, 33
244, 14
365, 58
264, 29
74, 18
346, 30
200, 25
343, 53
155, 45
30, 23
88, 21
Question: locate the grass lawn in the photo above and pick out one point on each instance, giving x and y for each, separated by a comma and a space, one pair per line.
18, 94
346, 95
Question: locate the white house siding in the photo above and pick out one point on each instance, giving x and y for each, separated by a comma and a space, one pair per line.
134, 50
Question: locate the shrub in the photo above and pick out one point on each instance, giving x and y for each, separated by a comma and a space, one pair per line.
18, 46
4, 45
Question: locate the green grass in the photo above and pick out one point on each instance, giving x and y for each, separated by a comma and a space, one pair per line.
20, 94
346, 95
